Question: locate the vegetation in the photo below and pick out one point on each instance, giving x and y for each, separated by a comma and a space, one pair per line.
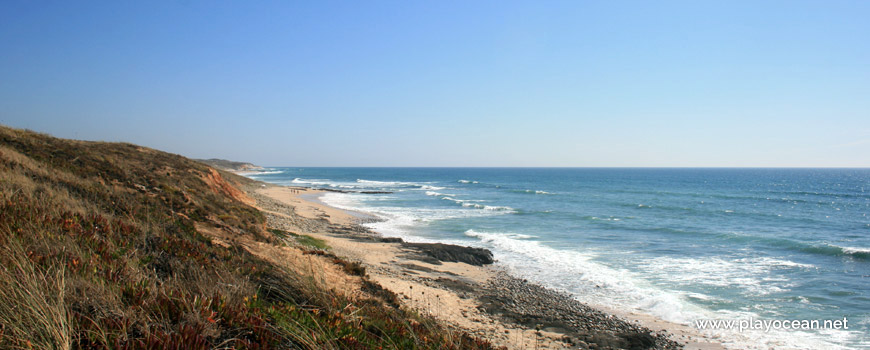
99, 249
304, 240
228, 164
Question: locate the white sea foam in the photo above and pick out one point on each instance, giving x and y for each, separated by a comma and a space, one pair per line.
387, 183
579, 273
472, 205
776, 263
361, 184
699, 296
450, 198
605, 219
475, 204
855, 250
519, 236
596, 283
314, 182
393, 184
537, 192
308, 181
265, 172
750, 276
498, 208
399, 221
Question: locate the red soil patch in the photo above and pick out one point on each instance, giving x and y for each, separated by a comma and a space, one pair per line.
217, 183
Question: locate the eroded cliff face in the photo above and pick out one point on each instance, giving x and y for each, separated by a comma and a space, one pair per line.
221, 186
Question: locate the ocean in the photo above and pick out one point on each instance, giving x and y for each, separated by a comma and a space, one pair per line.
679, 244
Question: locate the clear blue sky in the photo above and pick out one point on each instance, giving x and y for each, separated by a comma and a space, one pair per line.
444, 83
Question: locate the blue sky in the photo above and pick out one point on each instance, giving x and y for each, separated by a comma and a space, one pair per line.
444, 83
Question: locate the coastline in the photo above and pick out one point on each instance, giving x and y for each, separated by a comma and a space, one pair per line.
483, 300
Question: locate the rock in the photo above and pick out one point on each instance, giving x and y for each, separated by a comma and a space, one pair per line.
452, 253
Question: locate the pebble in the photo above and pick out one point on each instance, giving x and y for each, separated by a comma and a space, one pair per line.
522, 299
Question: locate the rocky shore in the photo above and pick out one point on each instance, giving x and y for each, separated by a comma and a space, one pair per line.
519, 301
500, 306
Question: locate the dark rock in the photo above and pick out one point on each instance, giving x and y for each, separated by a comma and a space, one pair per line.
639, 340
532, 306
452, 253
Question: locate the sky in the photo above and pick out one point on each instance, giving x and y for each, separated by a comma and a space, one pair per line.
449, 83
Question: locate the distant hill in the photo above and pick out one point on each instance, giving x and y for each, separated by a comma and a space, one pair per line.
229, 165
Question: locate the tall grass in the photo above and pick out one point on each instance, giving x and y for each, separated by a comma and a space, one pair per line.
99, 250
33, 312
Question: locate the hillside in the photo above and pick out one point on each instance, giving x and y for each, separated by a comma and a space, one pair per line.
112, 245
229, 165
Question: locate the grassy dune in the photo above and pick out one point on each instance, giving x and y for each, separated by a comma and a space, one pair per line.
99, 248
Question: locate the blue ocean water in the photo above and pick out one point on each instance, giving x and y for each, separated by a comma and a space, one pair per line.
679, 244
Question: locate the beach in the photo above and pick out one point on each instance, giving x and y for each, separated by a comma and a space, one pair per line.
430, 175
480, 299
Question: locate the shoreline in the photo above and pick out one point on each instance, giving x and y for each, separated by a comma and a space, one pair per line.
483, 300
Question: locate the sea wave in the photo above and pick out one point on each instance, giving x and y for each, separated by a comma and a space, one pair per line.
595, 218
399, 184
698, 210
856, 252
532, 192
490, 236
789, 196
591, 281
475, 204
265, 172
580, 273
824, 194
323, 183
399, 221
749, 276
388, 183
311, 181
468, 182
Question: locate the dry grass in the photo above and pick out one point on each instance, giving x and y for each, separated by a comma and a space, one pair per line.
33, 311
101, 250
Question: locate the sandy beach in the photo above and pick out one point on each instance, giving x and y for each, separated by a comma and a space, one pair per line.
478, 298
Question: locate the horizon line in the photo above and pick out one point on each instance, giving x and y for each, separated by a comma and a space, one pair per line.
580, 167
